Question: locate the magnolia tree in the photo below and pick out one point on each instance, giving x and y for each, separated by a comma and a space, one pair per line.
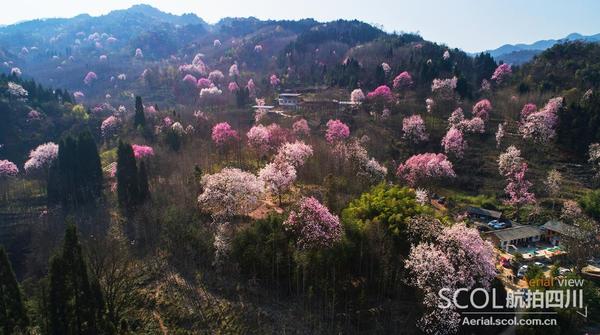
403, 81
259, 139
425, 168
301, 128
381, 93
456, 258
513, 167
294, 154
510, 161
142, 151
274, 80
313, 226
454, 142
216, 76
457, 120
357, 96
204, 83
230, 192
90, 77
278, 177
527, 110
42, 157
502, 72
234, 72
541, 126
413, 129
444, 88
429, 104
482, 109
251, 87
500, 134
7, 169
517, 189
222, 133
109, 127
278, 134
336, 131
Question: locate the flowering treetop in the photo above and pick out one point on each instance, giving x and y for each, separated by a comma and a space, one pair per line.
357, 95
42, 156
403, 80
223, 133
482, 109
336, 131
295, 153
230, 192
300, 127
313, 225
502, 72
425, 167
141, 151
382, 92
413, 128
8, 169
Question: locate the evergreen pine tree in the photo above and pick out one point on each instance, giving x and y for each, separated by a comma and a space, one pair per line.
67, 171
90, 166
12, 312
143, 188
76, 177
140, 118
127, 181
73, 306
379, 75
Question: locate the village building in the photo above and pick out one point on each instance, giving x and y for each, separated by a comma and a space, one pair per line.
483, 214
555, 230
519, 236
289, 99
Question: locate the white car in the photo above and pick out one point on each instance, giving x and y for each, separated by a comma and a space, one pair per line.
563, 271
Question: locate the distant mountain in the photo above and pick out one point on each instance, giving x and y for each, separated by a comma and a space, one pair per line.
520, 53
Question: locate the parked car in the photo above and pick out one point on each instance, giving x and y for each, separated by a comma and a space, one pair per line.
493, 223
540, 264
563, 271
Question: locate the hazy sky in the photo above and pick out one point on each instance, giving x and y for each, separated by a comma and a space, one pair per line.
470, 25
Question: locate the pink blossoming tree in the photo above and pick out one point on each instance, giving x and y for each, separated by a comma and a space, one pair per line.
313, 225
336, 131
382, 93
425, 168
295, 153
454, 142
230, 192
222, 133
413, 129
301, 128
142, 151
278, 176
502, 72
482, 109
259, 139
403, 81
42, 157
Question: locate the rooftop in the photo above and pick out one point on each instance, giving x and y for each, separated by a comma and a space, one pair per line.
561, 228
290, 94
516, 233
484, 212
